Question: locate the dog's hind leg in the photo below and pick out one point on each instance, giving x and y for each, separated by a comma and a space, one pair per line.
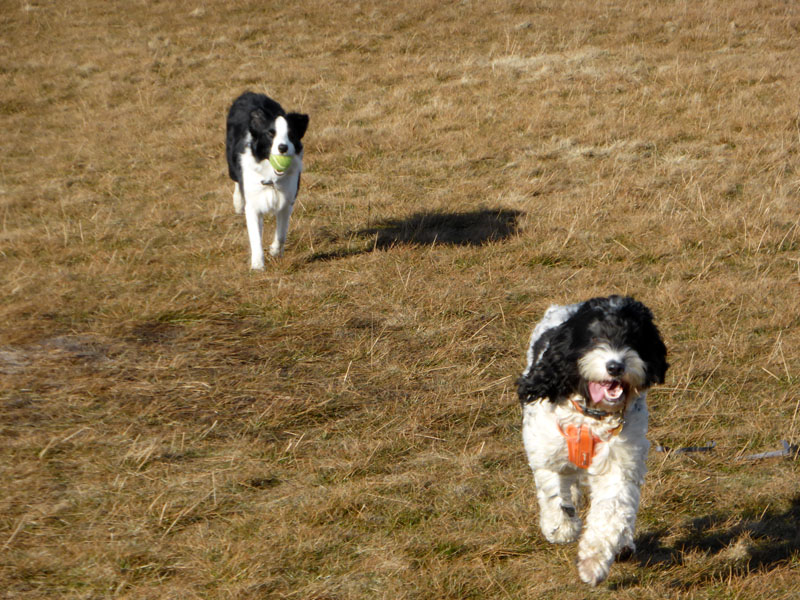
281, 230
557, 496
570, 494
238, 199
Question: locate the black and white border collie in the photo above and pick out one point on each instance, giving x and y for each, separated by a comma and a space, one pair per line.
257, 126
584, 408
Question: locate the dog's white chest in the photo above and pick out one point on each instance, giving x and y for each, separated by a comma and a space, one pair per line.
261, 198
264, 192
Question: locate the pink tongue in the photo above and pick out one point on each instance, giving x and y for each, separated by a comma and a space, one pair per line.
598, 390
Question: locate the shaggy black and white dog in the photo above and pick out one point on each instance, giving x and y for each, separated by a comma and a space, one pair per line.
257, 128
584, 408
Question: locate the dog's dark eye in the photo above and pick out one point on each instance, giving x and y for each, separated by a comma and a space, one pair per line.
272, 132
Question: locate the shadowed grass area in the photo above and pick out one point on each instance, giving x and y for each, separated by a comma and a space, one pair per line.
474, 228
459, 229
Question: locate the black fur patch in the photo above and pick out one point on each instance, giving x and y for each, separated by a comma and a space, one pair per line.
621, 322
255, 114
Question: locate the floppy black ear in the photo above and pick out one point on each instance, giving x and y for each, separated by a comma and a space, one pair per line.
531, 387
553, 375
655, 357
259, 123
651, 347
298, 123
659, 372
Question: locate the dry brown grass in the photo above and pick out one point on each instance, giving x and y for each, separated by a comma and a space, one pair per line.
344, 425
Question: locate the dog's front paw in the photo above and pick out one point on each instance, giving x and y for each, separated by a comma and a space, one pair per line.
276, 251
593, 570
564, 528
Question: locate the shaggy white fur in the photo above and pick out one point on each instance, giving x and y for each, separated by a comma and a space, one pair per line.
614, 480
602, 355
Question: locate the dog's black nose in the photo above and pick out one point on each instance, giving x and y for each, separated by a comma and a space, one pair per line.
282, 148
615, 368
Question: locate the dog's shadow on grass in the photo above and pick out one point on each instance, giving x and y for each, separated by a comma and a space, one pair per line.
473, 228
719, 544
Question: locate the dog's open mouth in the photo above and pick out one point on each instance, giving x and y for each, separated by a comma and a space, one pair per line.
608, 392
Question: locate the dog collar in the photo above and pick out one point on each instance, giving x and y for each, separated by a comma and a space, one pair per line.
591, 412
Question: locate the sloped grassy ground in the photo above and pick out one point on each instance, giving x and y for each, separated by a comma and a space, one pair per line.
345, 424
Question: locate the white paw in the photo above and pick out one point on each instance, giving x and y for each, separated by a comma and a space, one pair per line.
562, 529
593, 570
276, 251
257, 265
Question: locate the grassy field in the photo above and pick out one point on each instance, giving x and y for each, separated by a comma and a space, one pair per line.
344, 424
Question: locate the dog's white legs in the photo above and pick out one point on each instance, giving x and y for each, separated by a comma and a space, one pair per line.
255, 225
609, 523
558, 495
281, 230
238, 199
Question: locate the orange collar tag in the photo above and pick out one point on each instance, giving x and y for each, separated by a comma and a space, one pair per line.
580, 445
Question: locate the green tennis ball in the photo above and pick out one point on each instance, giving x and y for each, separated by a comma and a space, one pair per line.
280, 162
